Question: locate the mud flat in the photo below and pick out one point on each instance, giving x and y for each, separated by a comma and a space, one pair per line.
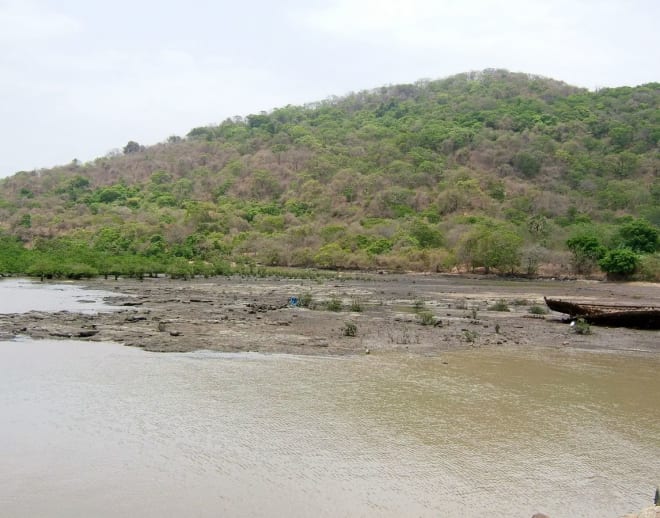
422, 314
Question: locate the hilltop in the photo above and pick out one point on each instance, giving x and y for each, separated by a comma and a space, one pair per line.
490, 169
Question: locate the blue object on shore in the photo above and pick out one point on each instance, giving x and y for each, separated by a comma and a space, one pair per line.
293, 301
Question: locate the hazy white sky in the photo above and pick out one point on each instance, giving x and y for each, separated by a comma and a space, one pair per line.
79, 77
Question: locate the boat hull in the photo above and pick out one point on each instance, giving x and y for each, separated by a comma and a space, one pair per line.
637, 317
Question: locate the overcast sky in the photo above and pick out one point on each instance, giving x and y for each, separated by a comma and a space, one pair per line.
79, 78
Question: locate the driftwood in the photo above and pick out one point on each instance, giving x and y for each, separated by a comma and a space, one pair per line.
638, 317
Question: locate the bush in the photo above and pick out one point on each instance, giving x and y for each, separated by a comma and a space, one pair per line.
305, 300
587, 250
426, 318
418, 305
649, 268
491, 247
619, 262
538, 310
356, 305
500, 305
640, 236
349, 329
79, 271
581, 327
334, 304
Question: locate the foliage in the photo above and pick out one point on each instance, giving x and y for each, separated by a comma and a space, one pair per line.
492, 170
649, 268
426, 318
419, 305
334, 304
587, 251
619, 262
581, 327
349, 329
640, 236
538, 310
491, 246
500, 305
305, 300
356, 305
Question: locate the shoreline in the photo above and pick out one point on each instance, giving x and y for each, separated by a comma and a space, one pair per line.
419, 314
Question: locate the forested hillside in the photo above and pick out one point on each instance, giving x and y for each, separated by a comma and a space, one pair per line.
494, 170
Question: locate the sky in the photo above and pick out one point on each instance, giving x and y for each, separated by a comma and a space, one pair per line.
80, 78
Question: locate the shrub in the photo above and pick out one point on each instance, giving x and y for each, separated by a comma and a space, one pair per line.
305, 300
349, 329
491, 247
418, 305
80, 271
500, 305
581, 327
586, 250
334, 304
649, 268
426, 318
640, 236
356, 305
619, 262
538, 310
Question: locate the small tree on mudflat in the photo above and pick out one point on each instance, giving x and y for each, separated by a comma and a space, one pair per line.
587, 251
619, 263
640, 236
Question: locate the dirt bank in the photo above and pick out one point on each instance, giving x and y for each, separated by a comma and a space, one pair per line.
235, 314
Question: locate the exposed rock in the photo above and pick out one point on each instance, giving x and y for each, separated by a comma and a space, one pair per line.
229, 318
86, 333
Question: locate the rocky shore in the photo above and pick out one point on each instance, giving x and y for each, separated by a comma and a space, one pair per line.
423, 314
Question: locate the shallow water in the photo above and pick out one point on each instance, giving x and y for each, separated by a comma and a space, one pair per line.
95, 429
22, 296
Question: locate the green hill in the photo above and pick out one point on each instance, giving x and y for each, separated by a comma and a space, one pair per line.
487, 169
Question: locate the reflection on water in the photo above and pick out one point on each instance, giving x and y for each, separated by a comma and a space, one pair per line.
21, 296
92, 429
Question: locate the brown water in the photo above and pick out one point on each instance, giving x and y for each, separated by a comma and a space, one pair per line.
93, 429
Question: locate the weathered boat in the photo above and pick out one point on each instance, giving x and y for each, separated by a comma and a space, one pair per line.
637, 317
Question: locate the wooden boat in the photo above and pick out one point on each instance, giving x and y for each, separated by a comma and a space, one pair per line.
638, 317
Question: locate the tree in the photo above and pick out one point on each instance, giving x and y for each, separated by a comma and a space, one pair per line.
491, 246
425, 235
640, 236
527, 163
619, 262
132, 147
587, 251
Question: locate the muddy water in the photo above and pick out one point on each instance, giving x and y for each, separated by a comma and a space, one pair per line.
94, 429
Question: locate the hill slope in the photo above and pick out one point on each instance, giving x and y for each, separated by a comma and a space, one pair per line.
421, 176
